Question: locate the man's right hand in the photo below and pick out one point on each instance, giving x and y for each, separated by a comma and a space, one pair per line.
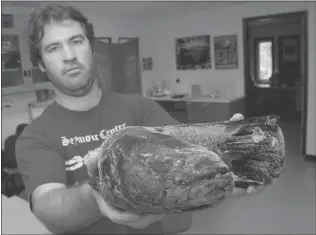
119, 217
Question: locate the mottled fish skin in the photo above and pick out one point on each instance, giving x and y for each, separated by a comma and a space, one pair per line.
238, 143
187, 167
147, 172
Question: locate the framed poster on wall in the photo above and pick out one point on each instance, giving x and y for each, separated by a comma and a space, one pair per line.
225, 48
193, 52
147, 63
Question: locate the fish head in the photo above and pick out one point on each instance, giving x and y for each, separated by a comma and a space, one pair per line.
156, 173
255, 151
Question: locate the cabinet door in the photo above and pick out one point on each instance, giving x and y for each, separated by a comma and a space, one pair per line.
214, 112
195, 112
237, 106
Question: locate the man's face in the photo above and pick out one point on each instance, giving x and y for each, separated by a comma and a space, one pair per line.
67, 58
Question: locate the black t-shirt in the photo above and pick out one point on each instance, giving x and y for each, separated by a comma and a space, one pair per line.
52, 148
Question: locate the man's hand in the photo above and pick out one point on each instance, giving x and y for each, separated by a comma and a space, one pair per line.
117, 216
125, 218
251, 189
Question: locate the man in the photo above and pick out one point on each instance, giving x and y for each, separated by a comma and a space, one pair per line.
57, 152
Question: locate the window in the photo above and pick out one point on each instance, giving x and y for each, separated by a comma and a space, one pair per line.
264, 59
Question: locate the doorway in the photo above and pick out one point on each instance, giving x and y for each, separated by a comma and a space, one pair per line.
118, 65
275, 59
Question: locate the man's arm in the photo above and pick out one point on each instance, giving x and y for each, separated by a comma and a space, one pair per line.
61, 209
65, 210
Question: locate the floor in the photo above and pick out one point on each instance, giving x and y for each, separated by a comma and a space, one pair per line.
286, 207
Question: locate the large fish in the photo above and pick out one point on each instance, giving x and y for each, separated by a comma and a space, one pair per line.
171, 169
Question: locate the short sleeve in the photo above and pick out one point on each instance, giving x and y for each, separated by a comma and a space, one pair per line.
38, 162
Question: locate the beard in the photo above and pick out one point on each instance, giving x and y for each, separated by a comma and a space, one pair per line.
75, 83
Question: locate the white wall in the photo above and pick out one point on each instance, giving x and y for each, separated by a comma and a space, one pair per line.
159, 43
311, 113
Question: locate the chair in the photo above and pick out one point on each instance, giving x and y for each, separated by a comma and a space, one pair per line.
12, 185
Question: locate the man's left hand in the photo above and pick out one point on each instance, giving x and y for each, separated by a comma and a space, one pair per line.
251, 189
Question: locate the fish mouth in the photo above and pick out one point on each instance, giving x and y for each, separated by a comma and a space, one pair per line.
216, 174
208, 176
243, 181
246, 177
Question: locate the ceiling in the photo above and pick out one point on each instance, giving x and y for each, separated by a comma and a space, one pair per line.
129, 8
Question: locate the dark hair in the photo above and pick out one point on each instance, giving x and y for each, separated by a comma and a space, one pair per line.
54, 13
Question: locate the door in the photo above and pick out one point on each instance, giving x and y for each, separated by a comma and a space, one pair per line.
126, 67
104, 63
117, 66
262, 64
